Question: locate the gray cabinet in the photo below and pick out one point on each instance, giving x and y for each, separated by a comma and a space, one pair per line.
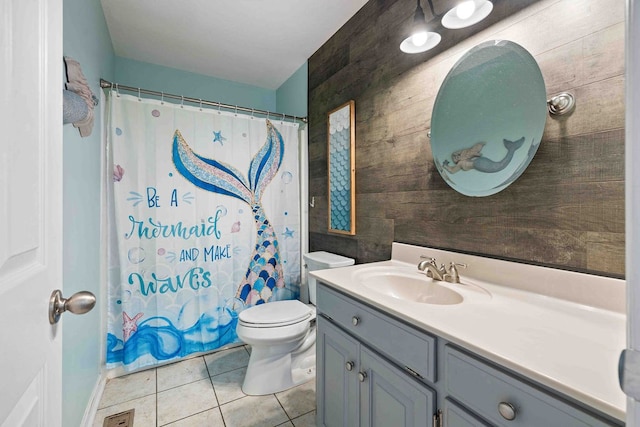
457, 416
388, 397
375, 370
505, 400
409, 347
337, 364
357, 386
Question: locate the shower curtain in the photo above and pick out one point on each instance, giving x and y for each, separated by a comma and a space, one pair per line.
203, 222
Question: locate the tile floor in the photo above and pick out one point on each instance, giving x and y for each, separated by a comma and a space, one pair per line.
205, 392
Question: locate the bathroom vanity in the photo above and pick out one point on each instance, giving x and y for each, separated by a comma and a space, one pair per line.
395, 348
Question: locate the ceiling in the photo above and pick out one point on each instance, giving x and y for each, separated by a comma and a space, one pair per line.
257, 42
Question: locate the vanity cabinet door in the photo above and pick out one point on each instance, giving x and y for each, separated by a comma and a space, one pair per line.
456, 416
388, 397
337, 392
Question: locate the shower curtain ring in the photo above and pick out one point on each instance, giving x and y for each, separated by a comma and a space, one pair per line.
117, 91
161, 98
200, 104
282, 121
267, 115
182, 102
294, 118
252, 114
236, 113
219, 105
139, 95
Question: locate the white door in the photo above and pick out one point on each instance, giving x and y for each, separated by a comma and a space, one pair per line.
30, 210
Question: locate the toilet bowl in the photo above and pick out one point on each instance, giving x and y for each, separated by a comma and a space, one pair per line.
282, 336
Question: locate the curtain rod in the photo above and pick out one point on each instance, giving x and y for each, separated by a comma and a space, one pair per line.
108, 85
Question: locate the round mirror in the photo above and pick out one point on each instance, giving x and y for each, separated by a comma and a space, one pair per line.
488, 118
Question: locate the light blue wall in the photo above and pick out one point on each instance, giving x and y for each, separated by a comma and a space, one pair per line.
86, 39
170, 80
291, 96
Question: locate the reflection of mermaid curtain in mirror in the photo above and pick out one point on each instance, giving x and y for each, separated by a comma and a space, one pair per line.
204, 221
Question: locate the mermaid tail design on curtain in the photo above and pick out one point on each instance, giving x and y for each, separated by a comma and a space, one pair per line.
182, 262
264, 272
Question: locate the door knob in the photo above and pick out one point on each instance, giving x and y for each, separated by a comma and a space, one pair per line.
78, 303
362, 376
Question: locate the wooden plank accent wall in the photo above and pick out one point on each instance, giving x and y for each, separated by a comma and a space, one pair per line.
565, 211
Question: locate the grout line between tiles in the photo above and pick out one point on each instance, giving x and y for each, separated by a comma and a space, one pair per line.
219, 407
300, 416
285, 411
193, 415
190, 381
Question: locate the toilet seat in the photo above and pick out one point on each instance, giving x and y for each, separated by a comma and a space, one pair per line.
276, 314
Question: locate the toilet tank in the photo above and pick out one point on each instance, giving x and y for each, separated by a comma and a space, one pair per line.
321, 261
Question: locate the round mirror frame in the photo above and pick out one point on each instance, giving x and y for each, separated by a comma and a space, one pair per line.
488, 118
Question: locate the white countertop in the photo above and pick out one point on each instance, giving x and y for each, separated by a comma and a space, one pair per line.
569, 347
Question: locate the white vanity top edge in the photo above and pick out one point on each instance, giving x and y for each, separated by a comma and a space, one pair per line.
568, 346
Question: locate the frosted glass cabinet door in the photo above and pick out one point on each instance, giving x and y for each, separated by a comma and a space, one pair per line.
336, 375
388, 397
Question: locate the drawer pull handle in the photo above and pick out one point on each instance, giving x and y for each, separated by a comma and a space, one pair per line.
507, 410
355, 320
349, 366
362, 376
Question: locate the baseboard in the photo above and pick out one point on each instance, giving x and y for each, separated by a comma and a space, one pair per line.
94, 401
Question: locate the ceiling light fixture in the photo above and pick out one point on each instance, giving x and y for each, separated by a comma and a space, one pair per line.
465, 14
420, 39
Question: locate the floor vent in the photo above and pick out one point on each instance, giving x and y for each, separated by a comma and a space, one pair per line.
123, 419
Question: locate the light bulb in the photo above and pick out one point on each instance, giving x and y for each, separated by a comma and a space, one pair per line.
465, 9
419, 39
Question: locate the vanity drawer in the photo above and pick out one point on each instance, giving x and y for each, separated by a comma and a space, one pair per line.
406, 346
486, 391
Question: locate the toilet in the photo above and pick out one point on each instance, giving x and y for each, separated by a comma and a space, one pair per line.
282, 335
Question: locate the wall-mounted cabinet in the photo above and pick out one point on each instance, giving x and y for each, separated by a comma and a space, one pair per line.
374, 370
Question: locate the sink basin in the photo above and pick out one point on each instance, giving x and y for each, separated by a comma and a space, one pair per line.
408, 287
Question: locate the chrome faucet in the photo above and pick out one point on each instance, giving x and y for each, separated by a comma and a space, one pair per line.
430, 268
